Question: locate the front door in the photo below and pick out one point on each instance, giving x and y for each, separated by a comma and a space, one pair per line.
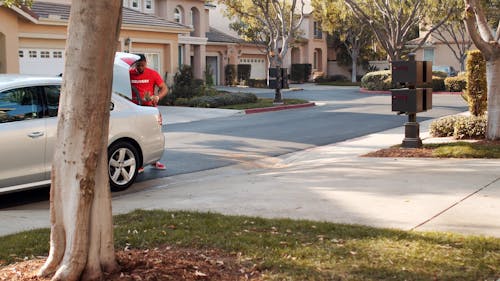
212, 66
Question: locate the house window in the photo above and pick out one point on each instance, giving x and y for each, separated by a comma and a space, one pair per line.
428, 54
33, 54
57, 54
44, 54
135, 4
153, 60
181, 55
177, 15
318, 34
126, 3
21, 53
148, 5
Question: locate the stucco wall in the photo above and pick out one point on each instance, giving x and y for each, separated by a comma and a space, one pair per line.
9, 44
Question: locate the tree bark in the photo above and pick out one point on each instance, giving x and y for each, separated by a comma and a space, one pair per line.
492, 77
81, 240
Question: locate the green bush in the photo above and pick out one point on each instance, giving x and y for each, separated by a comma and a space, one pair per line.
257, 83
377, 80
221, 99
455, 84
441, 74
476, 92
458, 126
183, 84
438, 84
444, 126
300, 72
471, 127
230, 74
244, 72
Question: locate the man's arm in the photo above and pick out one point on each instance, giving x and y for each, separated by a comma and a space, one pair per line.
162, 92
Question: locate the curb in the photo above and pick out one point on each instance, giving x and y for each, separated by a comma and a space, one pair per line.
365, 91
279, 107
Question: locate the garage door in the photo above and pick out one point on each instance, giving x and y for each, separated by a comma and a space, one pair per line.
258, 70
41, 61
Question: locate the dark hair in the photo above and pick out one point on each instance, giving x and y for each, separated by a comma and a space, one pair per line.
142, 57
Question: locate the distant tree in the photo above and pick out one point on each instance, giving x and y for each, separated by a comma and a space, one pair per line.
18, 3
392, 21
269, 22
337, 19
487, 41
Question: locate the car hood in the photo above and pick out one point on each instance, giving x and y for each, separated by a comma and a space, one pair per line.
121, 76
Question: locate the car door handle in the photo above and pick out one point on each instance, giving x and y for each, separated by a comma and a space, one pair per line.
35, 135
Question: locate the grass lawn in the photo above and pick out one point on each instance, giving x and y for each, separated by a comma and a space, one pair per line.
284, 249
262, 103
481, 149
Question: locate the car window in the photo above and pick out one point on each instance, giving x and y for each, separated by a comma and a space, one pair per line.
19, 104
52, 94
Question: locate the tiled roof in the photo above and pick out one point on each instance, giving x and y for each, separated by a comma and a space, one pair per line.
130, 16
215, 35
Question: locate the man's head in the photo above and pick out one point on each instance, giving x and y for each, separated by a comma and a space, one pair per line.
141, 63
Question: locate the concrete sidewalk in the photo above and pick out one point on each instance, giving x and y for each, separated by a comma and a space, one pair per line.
329, 183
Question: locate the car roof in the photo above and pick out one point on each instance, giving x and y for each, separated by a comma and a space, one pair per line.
16, 80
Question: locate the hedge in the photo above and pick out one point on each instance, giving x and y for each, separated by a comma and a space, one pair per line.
476, 92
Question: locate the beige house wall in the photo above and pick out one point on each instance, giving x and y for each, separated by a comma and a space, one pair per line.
9, 44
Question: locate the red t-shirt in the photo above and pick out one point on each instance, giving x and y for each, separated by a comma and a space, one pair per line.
144, 82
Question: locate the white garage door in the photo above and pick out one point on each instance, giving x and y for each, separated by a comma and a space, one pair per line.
258, 70
41, 61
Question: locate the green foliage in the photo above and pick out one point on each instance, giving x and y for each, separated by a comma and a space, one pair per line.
438, 84
230, 73
455, 84
460, 127
218, 100
18, 3
464, 149
209, 79
257, 83
441, 74
184, 85
244, 71
377, 80
472, 127
300, 72
476, 93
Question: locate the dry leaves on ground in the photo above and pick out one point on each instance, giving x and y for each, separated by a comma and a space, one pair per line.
156, 264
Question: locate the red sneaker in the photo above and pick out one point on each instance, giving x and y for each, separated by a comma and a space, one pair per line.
159, 166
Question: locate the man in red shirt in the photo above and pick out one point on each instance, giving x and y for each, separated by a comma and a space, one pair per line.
144, 80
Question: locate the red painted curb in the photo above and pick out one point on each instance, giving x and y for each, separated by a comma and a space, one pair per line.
365, 91
278, 107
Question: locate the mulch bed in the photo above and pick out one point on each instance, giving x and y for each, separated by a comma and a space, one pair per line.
164, 263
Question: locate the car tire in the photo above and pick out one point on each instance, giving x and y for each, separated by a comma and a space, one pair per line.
123, 163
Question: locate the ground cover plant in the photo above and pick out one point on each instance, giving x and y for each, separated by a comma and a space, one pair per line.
160, 245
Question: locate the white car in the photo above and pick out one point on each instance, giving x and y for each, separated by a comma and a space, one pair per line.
28, 124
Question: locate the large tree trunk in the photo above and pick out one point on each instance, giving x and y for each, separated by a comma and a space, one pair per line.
493, 81
354, 72
81, 240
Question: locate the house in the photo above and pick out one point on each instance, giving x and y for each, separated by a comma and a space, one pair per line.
32, 41
170, 33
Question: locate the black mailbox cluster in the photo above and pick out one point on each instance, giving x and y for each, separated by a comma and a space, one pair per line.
411, 100
273, 74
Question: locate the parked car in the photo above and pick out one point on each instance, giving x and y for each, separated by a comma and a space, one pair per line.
28, 124
449, 70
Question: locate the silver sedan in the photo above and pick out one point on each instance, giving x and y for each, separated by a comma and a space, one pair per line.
28, 124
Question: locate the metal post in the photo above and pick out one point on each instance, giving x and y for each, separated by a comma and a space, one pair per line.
412, 128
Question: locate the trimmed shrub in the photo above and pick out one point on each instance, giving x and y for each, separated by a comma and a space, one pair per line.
183, 84
438, 84
230, 74
244, 72
476, 92
471, 127
221, 99
300, 72
257, 83
444, 126
377, 80
459, 126
441, 74
455, 84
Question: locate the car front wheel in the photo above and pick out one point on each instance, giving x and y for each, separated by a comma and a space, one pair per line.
123, 164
